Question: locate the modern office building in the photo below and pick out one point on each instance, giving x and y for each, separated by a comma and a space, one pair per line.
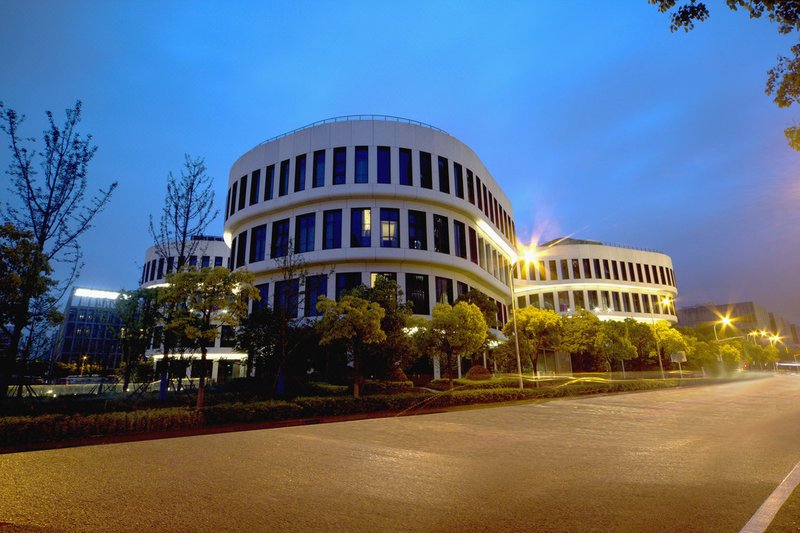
745, 317
613, 281
205, 251
90, 329
362, 196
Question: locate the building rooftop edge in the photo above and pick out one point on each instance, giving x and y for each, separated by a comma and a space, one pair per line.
562, 241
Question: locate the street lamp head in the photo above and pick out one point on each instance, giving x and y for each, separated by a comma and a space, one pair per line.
725, 321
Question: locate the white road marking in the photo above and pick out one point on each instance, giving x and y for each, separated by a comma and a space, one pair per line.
759, 522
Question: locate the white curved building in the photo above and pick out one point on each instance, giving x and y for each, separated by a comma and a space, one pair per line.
362, 196
205, 251
615, 282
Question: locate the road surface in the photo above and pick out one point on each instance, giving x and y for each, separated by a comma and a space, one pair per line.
696, 459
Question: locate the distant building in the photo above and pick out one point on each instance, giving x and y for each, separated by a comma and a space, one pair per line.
210, 251
90, 328
746, 317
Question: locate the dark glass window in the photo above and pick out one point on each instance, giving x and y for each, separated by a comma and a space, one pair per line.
280, 238
631, 272
234, 192
319, 169
615, 303
614, 269
605, 300
580, 302
255, 184
346, 282
316, 286
417, 230
549, 301
405, 167
243, 192
425, 170
205, 261
594, 303
240, 250
384, 165
623, 270
444, 290
258, 243
269, 182
565, 269
227, 337
444, 175
417, 293
227, 204
587, 269
332, 229
170, 264
637, 308
441, 235
217, 261
606, 271
639, 272
193, 258
390, 228
458, 180
461, 289
553, 270
478, 189
300, 173
626, 302
563, 301
486, 206
576, 269
470, 187
283, 186
646, 303
286, 297
655, 274
263, 291
460, 239
339, 165
360, 227
362, 164
473, 245
304, 233
647, 274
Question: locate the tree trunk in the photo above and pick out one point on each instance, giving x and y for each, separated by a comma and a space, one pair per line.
357, 371
450, 369
201, 386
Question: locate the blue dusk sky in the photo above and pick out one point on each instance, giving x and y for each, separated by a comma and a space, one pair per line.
596, 120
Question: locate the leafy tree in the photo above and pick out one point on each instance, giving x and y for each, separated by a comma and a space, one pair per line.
487, 307
353, 321
643, 339
212, 297
256, 335
139, 313
539, 329
731, 356
669, 340
617, 345
453, 331
583, 336
783, 80
51, 206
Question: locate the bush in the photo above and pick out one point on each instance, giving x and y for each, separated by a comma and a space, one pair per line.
478, 373
386, 387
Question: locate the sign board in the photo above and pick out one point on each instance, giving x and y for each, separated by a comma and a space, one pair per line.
678, 357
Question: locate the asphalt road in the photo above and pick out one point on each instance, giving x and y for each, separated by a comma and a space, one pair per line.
698, 459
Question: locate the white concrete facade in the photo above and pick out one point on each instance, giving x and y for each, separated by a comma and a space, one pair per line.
207, 251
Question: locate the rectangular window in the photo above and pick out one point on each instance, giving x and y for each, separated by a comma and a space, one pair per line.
405, 167
417, 230
170, 264
461, 289
283, 186
269, 182
217, 261
478, 189
425, 171
486, 206
534, 298
205, 261
553, 270
234, 192
594, 304
549, 301
606, 270
255, 184
240, 251
316, 286
458, 180
417, 293
623, 270
444, 290
563, 301
346, 282
384, 165
605, 300
227, 337
631, 272
263, 291
580, 301
339, 165
258, 243
587, 268
492, 207
639, 272
614, 269
564, 269
626, 302
193, 258
542, 271
637, 308
460, 239
470, 187
655, 274
304, 233
576, 269
362, 164
360, 227
300, 173
615, 302
286, 297
473, 245
444, 175
242, 192
373, 277
390, 228
441, 235
332, 229
647, 274
227, 204
318, 173
280, 238
646, 303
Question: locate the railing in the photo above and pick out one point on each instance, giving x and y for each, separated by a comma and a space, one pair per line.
629, 247
347, 118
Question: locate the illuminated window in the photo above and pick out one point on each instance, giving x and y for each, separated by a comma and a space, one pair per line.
390, 228
360, 227
444, 290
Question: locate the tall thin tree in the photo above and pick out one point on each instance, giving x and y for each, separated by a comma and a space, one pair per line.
51, 204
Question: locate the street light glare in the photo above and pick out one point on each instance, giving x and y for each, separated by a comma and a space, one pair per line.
726, 321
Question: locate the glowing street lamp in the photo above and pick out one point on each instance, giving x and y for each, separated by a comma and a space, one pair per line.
725, 321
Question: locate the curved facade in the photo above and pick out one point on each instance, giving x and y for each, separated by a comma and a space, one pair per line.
358, 197
208, 251
614, 282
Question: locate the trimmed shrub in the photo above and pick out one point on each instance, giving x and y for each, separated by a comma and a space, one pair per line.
386, 387
478, 373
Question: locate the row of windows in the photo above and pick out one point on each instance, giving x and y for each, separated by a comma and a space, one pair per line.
565, 269
240, 196
288, 295
598, 301
155, 269
466, 242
